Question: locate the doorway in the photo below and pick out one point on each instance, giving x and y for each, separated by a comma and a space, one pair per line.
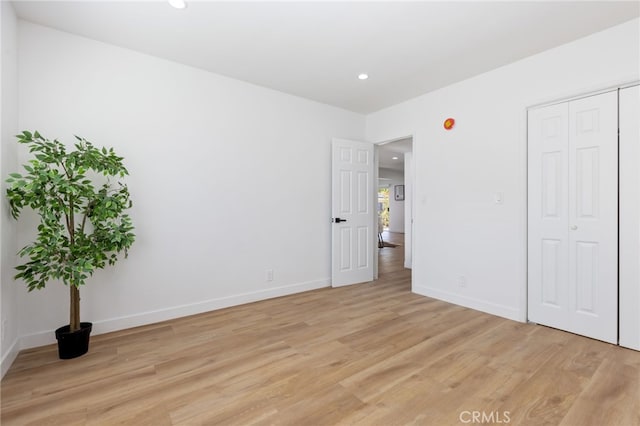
395, 203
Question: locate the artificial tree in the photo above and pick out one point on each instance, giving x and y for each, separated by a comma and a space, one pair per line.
83, 224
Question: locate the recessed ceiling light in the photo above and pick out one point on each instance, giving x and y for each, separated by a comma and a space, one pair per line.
178, 4
363, 76
394, 158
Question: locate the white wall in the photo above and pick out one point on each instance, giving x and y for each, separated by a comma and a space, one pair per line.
228, 180
458, 229
8, 163
396, 208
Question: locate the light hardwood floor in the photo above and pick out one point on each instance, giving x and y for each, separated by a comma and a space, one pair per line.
370, 354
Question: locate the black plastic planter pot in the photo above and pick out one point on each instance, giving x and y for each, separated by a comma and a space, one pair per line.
72, 345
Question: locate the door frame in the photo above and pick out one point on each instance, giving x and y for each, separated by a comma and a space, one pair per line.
407, 225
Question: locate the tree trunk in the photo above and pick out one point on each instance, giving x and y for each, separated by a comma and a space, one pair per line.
74, 308
74, 293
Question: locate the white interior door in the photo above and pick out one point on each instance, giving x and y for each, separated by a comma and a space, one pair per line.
630, 217
573, 216
548, 290
593, 216
353, 213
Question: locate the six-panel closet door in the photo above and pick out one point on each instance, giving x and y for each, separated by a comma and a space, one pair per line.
573, 216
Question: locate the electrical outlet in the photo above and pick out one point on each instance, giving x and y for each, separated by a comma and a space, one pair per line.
462, 281
269, 274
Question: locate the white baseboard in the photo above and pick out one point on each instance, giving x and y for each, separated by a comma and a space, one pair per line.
8, 357
150, 317
630, 345
479, 305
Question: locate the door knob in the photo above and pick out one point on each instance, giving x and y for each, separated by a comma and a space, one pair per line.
338, 220
574, 227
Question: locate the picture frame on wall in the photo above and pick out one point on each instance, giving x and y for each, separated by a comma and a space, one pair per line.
398, 192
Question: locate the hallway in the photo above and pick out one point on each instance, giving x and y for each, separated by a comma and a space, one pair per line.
391, 259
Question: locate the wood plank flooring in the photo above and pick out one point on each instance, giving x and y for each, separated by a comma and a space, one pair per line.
370, 354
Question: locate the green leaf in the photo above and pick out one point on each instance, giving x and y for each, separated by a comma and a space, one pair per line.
56, 190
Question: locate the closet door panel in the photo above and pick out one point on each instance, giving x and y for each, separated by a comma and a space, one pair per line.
593, 216
630, 217
548, 216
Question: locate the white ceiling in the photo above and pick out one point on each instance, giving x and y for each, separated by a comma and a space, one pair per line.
316, 49
387, 151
